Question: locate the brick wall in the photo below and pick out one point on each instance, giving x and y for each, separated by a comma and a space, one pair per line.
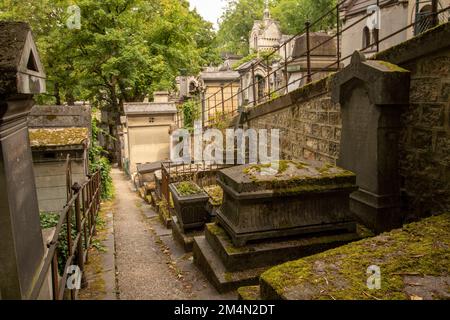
310, 123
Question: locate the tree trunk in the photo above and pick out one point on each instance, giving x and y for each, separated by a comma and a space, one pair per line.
57, 94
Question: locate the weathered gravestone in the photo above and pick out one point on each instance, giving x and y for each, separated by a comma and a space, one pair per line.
21, 244
372, 94
267, 219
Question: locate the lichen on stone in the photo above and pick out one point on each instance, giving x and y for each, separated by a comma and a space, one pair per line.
58, 137
215, 194
418, 249
187, 188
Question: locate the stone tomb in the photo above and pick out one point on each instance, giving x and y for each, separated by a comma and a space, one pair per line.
301, 198
267, 219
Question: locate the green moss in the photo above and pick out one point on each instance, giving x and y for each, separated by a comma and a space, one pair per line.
228, 277
163, 208
219, 232
392, 67
249, 293
187, 188
58, 137
215, 194
420, 248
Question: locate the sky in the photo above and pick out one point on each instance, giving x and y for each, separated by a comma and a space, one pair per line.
210, 10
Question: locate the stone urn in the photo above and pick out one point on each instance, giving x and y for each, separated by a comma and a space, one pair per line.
190, 204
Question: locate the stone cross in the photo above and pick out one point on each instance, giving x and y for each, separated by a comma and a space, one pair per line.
21, 244
372, 95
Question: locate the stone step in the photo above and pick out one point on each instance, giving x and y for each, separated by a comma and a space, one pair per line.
249, 293
271, 252
214, 270
185, 239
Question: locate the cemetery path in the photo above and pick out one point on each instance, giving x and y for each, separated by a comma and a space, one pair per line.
144, 271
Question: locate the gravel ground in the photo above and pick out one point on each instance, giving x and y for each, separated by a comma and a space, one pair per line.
144, 271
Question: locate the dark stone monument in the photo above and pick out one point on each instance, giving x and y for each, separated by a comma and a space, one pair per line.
21, 244
304, 198
372, 94
270, 218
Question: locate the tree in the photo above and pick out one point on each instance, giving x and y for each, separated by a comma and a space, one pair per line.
124, 51
293, 14
236, 24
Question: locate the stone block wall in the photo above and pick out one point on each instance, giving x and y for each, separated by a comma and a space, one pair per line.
310, 124
425, 139
310, 127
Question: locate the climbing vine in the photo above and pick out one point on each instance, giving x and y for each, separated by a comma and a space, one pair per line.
191, 112
99, 161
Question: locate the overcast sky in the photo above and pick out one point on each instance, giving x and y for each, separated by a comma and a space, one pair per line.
210, 10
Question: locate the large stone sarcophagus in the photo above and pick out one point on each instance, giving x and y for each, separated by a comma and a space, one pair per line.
299, 198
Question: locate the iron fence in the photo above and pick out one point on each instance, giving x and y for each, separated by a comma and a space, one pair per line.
176, 172
224, 109
81, 213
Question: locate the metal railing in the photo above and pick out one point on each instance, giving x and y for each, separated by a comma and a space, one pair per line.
175, 172
80, 212
226, 108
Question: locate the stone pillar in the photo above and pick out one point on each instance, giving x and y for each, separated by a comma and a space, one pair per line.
21, 244
372, 95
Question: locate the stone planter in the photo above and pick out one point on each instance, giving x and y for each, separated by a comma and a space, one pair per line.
190, 209
302, 198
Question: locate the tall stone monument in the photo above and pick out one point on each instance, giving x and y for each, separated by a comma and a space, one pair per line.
21, 244
372, 95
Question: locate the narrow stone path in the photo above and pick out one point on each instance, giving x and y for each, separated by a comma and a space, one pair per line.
144, 271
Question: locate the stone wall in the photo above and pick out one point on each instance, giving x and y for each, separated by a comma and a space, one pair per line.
310, 123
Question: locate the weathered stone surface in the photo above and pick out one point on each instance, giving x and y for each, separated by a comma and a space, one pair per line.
60, 116
413, 260
229, 267
21, 244
271, 252
185, 238
21, 68
303, 197
210, 264
190, 209
372, 95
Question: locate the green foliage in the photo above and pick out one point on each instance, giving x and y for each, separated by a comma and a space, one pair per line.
191, 112
293, 14
50, 220
236, 24
187, 188
125, 49
99, 162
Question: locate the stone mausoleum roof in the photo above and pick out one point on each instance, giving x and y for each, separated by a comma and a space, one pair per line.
150, 108
58, 137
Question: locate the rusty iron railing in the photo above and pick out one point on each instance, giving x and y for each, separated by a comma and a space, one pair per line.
83, 207
172, 172
218, 108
